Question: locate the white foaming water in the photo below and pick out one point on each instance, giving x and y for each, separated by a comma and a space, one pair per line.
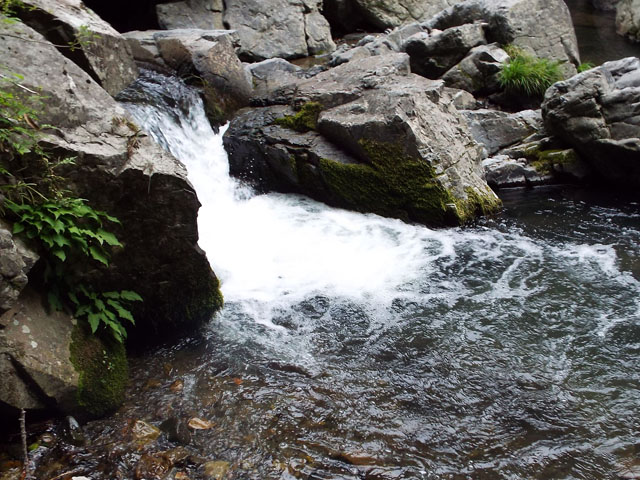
274, 251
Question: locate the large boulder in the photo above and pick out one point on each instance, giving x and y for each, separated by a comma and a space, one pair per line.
83, 37
596, 112
541, 27
628, 19
367, 135
204, 14
123, 172
391, 14
205, 57
16, 260
279, 28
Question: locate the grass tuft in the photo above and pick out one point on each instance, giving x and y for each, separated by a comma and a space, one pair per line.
527, 75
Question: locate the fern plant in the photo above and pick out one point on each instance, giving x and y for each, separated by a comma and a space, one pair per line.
108, 309
527, 75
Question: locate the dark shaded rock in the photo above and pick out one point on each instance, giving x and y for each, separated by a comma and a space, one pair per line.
16, 260
504, 172
628, 19
496, 130
385, 141
97, 48
206, 57
435, 53
479, 71
540, 27
204, 14
279, 28
125, 173
597, 112
605, 5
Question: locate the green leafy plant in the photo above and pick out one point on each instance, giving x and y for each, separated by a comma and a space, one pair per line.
104, 308
583, 67
527, 75
65, 226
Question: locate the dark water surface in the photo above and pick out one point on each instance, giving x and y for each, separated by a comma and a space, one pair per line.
596, 32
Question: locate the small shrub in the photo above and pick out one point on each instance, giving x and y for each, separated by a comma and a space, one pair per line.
583, 67
528, 75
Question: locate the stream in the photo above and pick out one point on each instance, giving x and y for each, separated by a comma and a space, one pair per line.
354, 346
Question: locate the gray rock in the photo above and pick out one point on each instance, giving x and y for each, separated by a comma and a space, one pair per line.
34, 353
270, 74
386, 141
123, 172
203, 14
541, 27
504, 172
496, 130
98, 49
596, 113
208, 56
628, 19
393, 13
435, 53
16, 260
479, 71
279, 28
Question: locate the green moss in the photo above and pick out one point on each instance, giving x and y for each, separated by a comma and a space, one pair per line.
396, 184
304, 120
103, 369
544, 160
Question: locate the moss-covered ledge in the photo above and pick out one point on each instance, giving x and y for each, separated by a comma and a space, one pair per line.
395, 184
102, 368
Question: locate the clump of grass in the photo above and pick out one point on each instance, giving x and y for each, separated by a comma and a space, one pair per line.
583, 67
527, 75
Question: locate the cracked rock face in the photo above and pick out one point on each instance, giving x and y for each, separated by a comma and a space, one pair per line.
597, 112
279, 28
16, 259
391, 14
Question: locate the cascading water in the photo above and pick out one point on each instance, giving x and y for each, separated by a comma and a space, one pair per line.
353, 346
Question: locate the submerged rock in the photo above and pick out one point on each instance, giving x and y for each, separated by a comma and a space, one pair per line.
368, 136
596, 113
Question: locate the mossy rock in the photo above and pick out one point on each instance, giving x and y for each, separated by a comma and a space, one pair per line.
395, 184
103, 370
304, 120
